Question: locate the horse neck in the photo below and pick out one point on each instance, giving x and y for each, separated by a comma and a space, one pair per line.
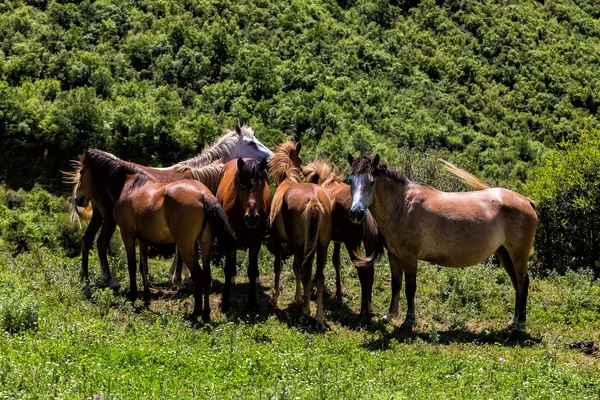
388, 199
114, 186
224, 150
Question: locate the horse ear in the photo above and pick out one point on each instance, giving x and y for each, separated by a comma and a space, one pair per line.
298, 148
375, 162
350, 158
240, 163
263, 164
238, 128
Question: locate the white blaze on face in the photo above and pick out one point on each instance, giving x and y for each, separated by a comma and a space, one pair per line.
358, 183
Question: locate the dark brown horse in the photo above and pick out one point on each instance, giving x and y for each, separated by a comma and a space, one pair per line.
245, 198
344, 231
457, 230
300, 215
240, 142
181, 212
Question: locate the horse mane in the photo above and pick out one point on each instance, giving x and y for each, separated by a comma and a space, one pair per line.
322, 173
218, 150
209, 175
465, 177
362, 164
281, 165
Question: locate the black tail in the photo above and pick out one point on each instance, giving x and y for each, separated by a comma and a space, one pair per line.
219, 223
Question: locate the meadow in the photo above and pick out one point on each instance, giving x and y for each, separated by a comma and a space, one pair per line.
67, 339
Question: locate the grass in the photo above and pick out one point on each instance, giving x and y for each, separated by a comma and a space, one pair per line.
89, 341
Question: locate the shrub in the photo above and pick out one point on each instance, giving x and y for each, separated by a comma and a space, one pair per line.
567, 192
18, 310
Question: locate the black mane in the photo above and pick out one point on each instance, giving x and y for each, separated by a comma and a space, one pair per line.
250, 175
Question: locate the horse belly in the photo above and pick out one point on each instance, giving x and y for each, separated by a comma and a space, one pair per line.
449, 249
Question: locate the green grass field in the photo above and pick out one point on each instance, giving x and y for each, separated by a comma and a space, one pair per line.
89, 342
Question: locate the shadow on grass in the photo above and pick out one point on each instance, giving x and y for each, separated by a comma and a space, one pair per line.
505, 337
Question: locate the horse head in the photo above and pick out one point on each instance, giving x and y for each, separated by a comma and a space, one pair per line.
362, 181
248, 146
250, 181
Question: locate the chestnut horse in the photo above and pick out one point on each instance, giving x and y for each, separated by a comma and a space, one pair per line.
240, 142
182, 212
344, 231
457, 230
245, 198
301, 215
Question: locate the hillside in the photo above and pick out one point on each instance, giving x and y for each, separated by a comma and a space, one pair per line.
497, 85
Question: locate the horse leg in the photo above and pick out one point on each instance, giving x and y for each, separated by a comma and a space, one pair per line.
276, 266
253, 275
87, 240
304, 273
522, 289
339, 292
321, 261
230, 268
175, 271
297, 267
365, 277
396, 269
129, 242
507, 263
190, 257
410, 274
206, 242
108, 228
144, 268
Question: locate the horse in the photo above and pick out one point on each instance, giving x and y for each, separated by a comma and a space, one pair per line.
419, 222
344, 231
183, 212
103, 205
300, 214
244, 196
239, 142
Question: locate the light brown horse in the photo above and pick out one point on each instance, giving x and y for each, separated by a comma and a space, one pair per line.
239, 142
181, 212
344, 231
457, 230
245, 198
300, 215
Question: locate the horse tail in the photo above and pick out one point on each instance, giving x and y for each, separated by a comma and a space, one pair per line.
372, 238
312, 216
464, 176
219, 223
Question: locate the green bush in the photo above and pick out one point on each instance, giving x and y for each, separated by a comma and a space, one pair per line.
567, 192
18, 310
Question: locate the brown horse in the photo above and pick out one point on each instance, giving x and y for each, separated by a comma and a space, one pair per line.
245, 198
240, 142
419, 222
182, 212
100, 210
344, 231
301, 215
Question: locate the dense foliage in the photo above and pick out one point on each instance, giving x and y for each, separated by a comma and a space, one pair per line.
153, 81
567, 189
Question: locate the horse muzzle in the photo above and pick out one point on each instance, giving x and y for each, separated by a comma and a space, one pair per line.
251, 221
357, 215
81, 201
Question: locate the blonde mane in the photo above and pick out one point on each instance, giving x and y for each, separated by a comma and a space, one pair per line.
209, 175
281, 166
219, 149
325, 173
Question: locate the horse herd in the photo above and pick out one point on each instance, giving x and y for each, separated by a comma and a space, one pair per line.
223, 193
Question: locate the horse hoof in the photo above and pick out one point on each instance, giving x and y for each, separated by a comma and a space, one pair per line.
232, 280
387, 317
407, 325
112, 285
258, 281
321, 327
